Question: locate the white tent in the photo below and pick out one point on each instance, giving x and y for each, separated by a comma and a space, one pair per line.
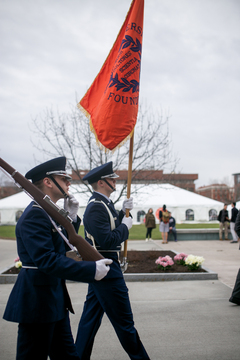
12, 207
185, 206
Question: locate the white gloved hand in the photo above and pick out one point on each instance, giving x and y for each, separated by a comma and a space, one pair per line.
102, 269
71, 205
127, 204
127, 221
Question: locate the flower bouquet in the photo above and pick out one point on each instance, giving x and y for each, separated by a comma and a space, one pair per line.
164, 262
194, 262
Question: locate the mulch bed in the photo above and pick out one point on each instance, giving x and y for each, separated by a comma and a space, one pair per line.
144, 262
139, 262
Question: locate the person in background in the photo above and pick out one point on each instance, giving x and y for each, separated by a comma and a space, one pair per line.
150, 224
39, 300
164, 224
223, 222
172, 224
232, 223
235, 297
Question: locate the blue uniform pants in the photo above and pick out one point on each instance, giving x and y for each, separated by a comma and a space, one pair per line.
38, 341
109, 296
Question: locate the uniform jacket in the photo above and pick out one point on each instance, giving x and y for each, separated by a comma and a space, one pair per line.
40, 295
96, 222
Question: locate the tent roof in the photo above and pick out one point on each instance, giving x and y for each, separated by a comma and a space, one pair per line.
148, 195
16, 201
172, 196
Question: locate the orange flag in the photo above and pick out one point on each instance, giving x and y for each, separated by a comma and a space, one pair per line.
111, 102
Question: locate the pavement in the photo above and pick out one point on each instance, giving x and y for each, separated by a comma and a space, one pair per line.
182, 320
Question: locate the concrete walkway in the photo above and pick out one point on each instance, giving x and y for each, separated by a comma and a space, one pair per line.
182, 320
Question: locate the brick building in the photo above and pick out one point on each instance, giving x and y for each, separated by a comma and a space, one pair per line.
184, 181
219, 192
8, 191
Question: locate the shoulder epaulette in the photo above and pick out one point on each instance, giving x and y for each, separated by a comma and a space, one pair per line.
97, 200
37, 206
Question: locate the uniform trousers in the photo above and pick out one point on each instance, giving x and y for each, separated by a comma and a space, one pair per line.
109, 296
235, 297
39, 340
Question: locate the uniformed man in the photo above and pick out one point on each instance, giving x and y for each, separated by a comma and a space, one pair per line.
105, 229
39, 301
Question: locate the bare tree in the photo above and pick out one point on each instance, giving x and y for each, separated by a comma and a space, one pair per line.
70, 135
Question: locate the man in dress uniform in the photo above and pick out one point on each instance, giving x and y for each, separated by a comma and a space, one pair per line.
105, 229
39, 301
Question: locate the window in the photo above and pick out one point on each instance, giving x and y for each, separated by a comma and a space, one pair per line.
212, 215
189, 215
140, 216
18, 215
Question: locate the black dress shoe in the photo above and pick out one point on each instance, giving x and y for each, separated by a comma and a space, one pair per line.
232, 242
234, 300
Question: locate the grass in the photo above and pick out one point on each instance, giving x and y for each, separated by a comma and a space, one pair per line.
136, 232
7, 232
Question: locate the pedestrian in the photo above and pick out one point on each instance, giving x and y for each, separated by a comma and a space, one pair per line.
39, 300
235, 297
106, 229
172, 226
232, 223
223, 222
164, 224
150, 224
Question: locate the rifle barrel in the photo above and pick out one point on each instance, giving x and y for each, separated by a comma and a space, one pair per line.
87, 252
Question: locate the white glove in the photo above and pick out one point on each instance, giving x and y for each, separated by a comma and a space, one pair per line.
71, 205
102, 269
127, 204
127, 221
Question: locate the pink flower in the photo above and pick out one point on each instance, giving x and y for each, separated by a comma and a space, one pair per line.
164, 261
181, 256
17, 259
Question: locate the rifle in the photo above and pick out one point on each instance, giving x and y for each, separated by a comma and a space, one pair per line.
86, 251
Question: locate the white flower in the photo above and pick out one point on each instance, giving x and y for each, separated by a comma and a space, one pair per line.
18, 264
191, 259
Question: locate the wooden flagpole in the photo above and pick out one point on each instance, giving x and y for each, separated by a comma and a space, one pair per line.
129, 185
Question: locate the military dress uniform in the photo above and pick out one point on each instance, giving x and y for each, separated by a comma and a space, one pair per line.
39, 300
110, 295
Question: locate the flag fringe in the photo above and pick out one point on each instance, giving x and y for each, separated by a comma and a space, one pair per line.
99, 144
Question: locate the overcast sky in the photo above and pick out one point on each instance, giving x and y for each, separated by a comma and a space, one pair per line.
52, 50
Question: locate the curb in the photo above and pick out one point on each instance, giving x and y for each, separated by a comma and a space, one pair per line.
208, 275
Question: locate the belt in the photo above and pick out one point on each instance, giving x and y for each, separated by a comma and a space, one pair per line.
112, 251
29, 267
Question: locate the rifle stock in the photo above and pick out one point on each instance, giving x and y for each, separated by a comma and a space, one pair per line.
86, 251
